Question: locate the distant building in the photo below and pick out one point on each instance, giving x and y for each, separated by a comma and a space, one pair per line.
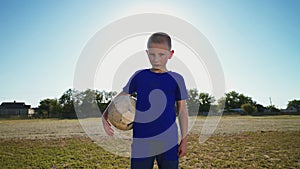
15, 109
291, 109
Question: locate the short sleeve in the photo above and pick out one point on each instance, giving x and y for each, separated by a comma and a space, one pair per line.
181, 91
130, 87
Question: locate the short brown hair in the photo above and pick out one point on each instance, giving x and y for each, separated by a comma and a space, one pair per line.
159, 37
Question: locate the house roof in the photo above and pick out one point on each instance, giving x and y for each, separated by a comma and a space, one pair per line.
14, 105
292, 107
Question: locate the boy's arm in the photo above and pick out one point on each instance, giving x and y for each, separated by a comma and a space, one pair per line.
183, 123
107, 126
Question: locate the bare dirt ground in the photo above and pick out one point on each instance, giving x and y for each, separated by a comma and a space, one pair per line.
56, 128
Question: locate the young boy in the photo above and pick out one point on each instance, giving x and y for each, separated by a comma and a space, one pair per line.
155, 134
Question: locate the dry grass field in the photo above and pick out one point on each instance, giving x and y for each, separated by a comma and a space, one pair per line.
238, 142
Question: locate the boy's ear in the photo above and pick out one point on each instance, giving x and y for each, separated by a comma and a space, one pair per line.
147, 51
171, 54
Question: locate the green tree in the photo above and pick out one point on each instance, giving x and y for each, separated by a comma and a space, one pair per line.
295, 103
49, 108
221, 104
260, 108
205, 100
231, 100
199, 102
67, 102
99, 96
100, 100
193, 102
89, 105
109, 95
245, 99
235, 100
272, 108
248, 108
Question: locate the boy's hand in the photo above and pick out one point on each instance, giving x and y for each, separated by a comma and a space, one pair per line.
107, 126
182, 148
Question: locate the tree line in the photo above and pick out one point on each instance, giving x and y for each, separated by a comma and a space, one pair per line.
199, 103
73, 100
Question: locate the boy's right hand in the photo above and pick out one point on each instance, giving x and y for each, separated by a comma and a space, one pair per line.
107, 126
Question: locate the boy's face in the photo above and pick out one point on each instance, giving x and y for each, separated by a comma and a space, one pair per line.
158, 55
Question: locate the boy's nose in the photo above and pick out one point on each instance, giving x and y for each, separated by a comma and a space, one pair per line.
155, 58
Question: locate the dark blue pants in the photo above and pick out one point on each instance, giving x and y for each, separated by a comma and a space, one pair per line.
163, 150
148, 162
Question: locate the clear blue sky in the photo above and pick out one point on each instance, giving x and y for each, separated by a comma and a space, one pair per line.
257, 42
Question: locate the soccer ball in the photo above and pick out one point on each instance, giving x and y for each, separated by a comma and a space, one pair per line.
121, 112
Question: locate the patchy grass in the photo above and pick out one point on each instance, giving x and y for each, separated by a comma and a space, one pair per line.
238, 142
247, 150
76, 152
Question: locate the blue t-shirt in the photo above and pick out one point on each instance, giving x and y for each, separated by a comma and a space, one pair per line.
155, 107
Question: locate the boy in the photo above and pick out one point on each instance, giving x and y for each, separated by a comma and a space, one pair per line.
155, 134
